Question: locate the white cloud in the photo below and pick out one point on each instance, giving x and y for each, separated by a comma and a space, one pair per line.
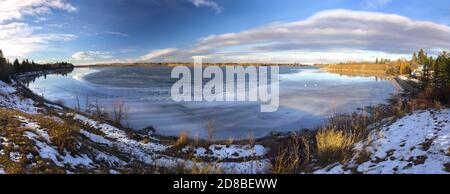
328, 31
157, 54
91, 55
16, 9
207, 3
17, 39
116, 33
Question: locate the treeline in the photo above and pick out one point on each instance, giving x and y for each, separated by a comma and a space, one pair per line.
7, 68
435, 78
406, 67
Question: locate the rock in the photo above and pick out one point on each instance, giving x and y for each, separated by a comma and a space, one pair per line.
146, 132
275, 134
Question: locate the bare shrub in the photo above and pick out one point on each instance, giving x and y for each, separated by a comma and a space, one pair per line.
98, 110
230, 141
120, 110
77, 99
291, 156
210, 128
251, 139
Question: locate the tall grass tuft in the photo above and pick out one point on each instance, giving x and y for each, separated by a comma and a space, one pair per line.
292, 156
182, 140
334, 145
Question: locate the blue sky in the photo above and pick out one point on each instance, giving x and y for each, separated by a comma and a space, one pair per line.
304, 31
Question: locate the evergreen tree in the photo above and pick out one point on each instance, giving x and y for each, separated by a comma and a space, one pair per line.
414, 59
422, 57
441, 75
425, 78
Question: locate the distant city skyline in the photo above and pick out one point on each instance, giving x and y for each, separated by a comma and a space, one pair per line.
269, 31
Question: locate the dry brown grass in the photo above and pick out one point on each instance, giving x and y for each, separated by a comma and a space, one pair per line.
182, 140
62, 134
359, 69
334, 145
205, 168
291, 156
10, 128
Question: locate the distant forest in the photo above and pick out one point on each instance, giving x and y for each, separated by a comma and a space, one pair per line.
7, 68
433, 72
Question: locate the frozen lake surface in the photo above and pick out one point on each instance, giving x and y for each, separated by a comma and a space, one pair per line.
307, 96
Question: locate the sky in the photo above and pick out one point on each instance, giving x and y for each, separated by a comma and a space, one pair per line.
268, 31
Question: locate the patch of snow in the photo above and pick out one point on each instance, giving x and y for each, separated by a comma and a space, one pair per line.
27, 123
14, 156
54, 106
228, 151
416, 144
149, 153
109, 159
9, 99
2, 171
3, 142
250, 167
139, 151
96, 138
6, 88
47, 151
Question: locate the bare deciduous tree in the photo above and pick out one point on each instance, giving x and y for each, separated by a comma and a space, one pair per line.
120, 110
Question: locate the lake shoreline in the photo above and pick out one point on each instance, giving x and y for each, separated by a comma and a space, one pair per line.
270, 149
269, 137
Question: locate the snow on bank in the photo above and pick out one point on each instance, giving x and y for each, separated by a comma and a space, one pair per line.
139, 150
96, 138
228, 151
152, 153
417, 143
9, 99
49, 152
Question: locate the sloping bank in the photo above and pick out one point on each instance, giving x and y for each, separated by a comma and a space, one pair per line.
39, 137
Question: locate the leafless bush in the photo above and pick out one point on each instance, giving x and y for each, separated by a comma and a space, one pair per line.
291, 155
251, 139
210, 128
120, 110
77, 98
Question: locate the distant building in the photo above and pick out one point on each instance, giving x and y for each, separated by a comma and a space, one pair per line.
418, 71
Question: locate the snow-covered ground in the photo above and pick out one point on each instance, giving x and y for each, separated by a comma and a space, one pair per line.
227, 151
9, 99
416, 144
153, 153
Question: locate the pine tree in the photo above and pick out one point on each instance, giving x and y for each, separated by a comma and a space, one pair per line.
441, 75
5, 68
414, 59
422, 57
425, 78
